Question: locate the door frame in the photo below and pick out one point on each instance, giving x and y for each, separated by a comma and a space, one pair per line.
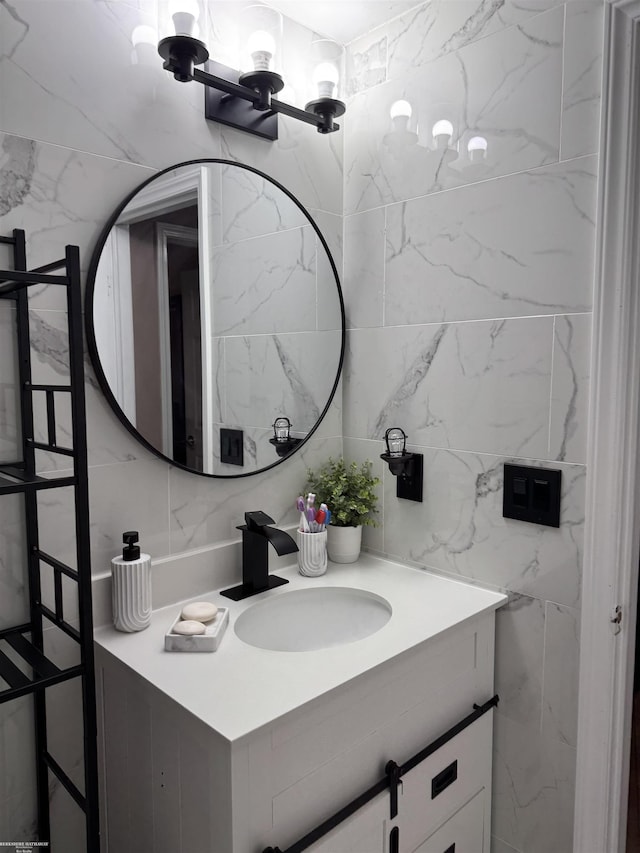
612, 532
185, 236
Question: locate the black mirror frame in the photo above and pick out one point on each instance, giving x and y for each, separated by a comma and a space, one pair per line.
91, 338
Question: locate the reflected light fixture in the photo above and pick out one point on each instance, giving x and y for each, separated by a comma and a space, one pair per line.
477, 148
244, 101
282, 440
406, 466
401, 137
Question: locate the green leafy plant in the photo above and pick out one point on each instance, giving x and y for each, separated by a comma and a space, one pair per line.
348, 491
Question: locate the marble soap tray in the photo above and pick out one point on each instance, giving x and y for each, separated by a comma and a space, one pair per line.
207, 642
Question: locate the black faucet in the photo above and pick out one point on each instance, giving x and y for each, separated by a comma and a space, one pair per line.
256, 534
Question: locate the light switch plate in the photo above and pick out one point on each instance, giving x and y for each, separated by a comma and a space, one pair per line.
532, 494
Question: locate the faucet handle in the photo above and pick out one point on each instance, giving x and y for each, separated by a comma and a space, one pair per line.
256, 520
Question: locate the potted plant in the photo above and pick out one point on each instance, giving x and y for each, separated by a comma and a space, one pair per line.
349, 492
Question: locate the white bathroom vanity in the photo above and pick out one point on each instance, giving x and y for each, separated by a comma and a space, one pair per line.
249, 748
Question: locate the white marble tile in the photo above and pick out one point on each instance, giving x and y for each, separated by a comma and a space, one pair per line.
205, 511
364, 268
505, 88
10, 449
366, 63
499, 846
459, 528
128, 496
17, 749
14, 607
533, 789
570, 388
67, 820
328, 309
561, 663
59, 196
358, 450
582, 81
253, 206
499, 371
519, 245
87, 93
267, 284
519, 657
267, 376
18, 817
440, 27
306, 162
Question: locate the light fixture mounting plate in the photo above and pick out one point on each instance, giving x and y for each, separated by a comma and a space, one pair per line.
236, 112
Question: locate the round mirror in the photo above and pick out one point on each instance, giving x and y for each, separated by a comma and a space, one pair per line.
215, 319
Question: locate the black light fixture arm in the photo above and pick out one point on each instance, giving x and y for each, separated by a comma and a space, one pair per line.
183, 53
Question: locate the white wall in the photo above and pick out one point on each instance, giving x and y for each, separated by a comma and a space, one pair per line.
80, 127
469, 295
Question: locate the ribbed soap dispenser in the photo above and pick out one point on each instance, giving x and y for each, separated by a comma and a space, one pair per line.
131, 586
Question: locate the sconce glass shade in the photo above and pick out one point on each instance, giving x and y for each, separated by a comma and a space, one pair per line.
282, 429
185, 14
401, 109
326, 77
261, 46
144, 35
260, 38
396, 441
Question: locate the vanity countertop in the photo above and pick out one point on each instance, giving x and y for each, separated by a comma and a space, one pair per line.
240, 688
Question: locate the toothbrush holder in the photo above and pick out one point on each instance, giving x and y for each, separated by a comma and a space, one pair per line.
312, 553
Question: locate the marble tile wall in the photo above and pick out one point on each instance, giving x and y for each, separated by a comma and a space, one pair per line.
82, 123
468, 289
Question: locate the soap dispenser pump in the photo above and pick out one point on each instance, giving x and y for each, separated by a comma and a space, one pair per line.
131, 586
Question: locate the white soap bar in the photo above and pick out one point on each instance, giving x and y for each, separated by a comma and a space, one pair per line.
201, 611
189, 627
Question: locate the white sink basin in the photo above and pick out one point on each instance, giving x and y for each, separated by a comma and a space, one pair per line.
305, 620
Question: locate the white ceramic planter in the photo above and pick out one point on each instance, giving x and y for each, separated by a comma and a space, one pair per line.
343, 543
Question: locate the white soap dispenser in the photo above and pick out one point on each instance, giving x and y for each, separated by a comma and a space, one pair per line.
131, 586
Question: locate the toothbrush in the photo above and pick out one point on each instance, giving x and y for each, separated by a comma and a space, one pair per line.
304, 524
311, 518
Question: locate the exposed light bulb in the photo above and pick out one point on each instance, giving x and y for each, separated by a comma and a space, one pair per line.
477, 143
185, 13
144, 35
400, 109
326, 77
477, 148
442, 133
261, 47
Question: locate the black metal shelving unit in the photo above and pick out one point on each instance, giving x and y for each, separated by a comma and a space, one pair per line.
24, 666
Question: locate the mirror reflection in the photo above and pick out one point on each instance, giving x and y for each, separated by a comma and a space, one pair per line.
214, 309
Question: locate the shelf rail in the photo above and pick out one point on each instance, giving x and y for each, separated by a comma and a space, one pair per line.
25, 668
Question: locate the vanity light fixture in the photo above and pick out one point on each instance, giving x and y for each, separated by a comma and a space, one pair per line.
247, 101
282, 440
404, 465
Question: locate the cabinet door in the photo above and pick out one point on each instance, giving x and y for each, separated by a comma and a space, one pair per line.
440, 785
364, 832
463, 833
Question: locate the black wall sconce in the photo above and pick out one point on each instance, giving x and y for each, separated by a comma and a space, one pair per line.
282, 440
246, 101
406, 466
